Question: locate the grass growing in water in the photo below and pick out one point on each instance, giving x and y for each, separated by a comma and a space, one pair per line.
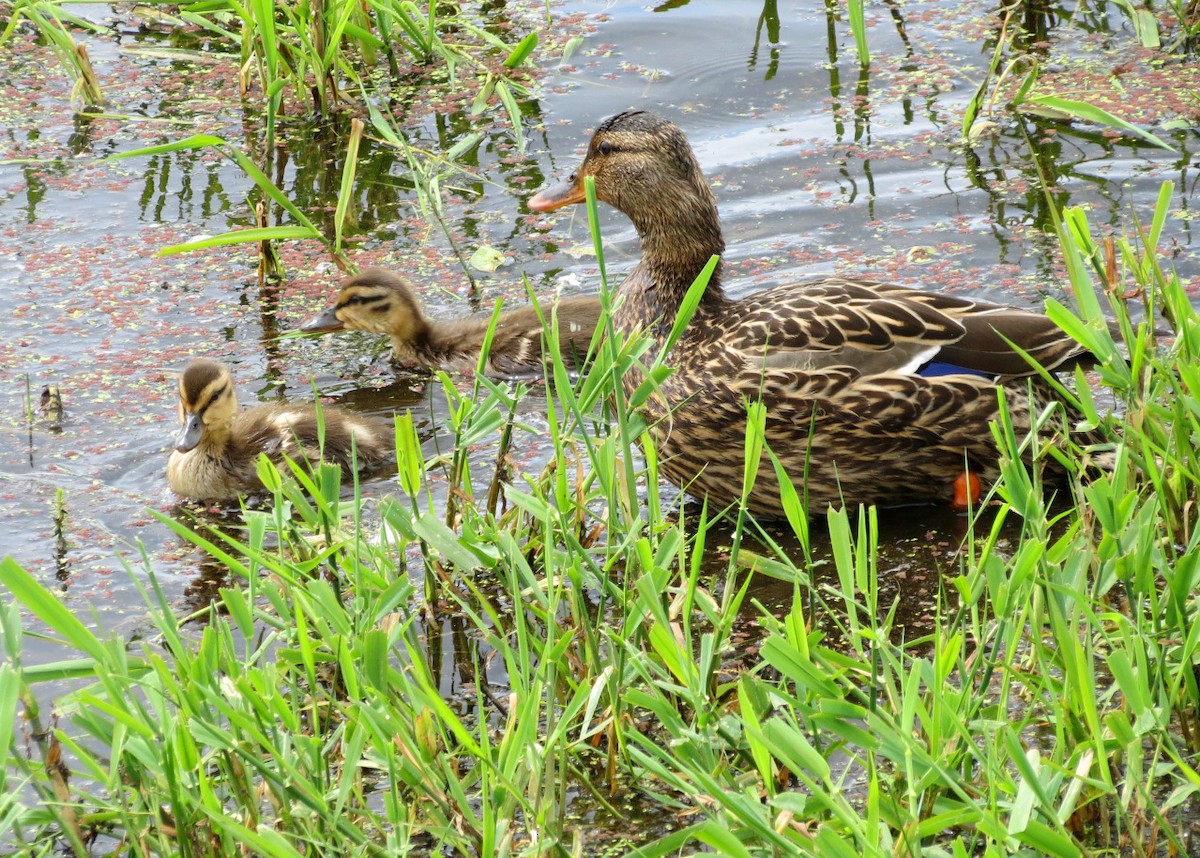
362, 62
1051, 709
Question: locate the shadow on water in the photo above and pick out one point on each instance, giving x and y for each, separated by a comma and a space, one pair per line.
918, 551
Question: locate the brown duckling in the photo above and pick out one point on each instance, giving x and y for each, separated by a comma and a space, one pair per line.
381, 302
216, 451
874, 393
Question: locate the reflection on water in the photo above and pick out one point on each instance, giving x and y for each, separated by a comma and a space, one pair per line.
768, 20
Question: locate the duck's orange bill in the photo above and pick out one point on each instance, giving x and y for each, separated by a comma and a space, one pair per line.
557, 197
967, 490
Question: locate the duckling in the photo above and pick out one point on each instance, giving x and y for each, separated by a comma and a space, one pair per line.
215, 453
381, 302
874, 393
52, 407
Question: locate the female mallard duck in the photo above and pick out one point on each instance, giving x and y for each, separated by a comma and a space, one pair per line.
217, 449
873, 393
380, 302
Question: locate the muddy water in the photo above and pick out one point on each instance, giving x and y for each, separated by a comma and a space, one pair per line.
818, 167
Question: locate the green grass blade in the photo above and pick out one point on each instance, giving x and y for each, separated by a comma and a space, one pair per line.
1091, 113
48, 608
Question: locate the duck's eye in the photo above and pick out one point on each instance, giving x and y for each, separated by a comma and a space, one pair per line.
606, 148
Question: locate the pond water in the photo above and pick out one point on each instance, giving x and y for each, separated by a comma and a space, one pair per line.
818, 167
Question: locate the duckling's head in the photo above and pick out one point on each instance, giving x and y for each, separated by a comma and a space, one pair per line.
642, 165
207, 404
378, 302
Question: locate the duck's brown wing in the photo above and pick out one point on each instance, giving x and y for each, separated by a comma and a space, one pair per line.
991, 331
834, 322
883, 328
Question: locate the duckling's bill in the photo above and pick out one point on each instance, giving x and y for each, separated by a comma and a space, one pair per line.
323, 322
189, 435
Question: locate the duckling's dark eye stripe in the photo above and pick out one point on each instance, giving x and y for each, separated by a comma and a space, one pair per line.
362, 299
216, 394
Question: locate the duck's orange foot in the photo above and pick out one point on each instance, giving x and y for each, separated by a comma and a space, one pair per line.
967, 491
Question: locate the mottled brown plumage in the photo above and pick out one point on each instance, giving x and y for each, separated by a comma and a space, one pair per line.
842, 365
215, 454
381, 302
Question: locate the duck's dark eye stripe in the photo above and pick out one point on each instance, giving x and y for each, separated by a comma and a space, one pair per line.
606, 148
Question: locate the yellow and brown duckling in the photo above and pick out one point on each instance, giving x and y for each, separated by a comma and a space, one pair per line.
382, 302
874, 393
215, 453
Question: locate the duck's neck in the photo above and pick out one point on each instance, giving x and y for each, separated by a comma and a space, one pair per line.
677, 243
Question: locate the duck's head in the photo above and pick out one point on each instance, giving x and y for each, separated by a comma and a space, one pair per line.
642, 165
207, 403
375, 301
